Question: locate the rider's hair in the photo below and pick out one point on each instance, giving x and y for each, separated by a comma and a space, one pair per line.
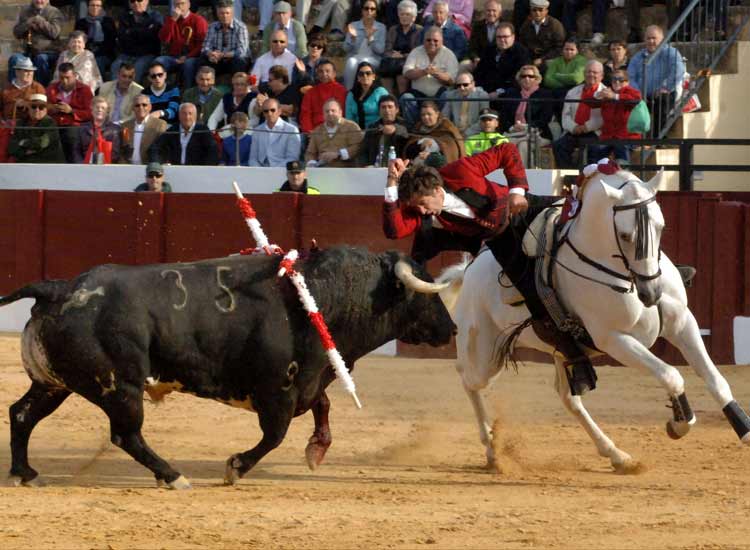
418, 181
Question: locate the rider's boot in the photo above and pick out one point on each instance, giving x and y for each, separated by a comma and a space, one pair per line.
578, 368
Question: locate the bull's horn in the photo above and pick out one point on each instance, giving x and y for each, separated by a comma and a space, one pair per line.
406, 275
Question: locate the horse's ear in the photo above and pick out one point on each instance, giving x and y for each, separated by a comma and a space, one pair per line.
613, 194
654, 183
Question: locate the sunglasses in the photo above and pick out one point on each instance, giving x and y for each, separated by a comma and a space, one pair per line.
269, 110
365, 73
141, 104
317, 46
278, 41
156, 75
154, 175
619, 79
528, 76
503, 36
136, 1
369, 8
463, 84
431, 40
38, 107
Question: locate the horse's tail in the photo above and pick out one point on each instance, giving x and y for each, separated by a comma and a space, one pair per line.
453, 274
43, 291
506, 344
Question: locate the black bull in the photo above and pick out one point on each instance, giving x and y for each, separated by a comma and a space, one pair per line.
226, 329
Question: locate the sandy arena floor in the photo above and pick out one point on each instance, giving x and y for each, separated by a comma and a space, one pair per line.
404, 472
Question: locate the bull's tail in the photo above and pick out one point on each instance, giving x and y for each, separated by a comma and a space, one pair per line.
43, 291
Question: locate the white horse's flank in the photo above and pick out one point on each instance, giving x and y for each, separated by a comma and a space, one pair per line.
624, 325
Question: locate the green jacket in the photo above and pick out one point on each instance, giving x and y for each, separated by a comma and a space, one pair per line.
191, 95
300, 35
562, 74
482, 141
40, 144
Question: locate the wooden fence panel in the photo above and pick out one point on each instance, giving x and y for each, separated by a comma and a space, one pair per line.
21, 239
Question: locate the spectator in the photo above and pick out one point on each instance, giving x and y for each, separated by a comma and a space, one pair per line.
464, 104
83, 60
295, 31
265, 11
296, 179
618, 60
154, 180
365, 41
140, 134
97, 141
336, 142
488, 136
400, 39
662, 79
434, 134
454, 37
311, 112
69, 105
542, 34
138, 38
279, 88
38, 141
38, 28
519, 118
617, 104
564, 72
17, 94
598, 18
182, 34
235, 149
318, 46
386, 132
461, 10
484, 32
121, 93
239, 99
362, 101
335, 10
277, 55
521, 11
390, 9
276, 142
204, 96
101, 34
431, 69
227, 44
164, 100
580, 120
188, 142
499, 63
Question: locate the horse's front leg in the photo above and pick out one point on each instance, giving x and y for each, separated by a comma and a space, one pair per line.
621, 461
684, 334
630, 352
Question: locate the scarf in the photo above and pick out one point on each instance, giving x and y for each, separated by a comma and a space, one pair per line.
583, 113
521, 110
95, 31
98, 146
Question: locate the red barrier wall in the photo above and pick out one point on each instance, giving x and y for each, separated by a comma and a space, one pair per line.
59, 234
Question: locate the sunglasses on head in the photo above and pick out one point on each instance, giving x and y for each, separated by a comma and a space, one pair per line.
156, 75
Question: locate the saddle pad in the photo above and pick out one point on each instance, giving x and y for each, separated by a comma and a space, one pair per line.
541, 225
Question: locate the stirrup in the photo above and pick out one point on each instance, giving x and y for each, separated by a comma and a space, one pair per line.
581, 375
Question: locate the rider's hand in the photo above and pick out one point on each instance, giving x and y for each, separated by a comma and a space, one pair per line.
395, 168
517, 204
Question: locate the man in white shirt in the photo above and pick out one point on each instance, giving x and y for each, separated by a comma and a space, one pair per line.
277, 55
139, 134
275, 142
431, 68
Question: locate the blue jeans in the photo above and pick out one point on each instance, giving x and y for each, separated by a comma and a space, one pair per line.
44, 62
187, 69
597, 152
141, 65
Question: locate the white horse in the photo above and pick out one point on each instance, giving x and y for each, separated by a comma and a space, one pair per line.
615, 279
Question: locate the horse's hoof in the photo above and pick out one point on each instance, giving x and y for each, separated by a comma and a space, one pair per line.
678, 430
179, 484
628, 467
314, 454
18, 481
232, 471
746, 438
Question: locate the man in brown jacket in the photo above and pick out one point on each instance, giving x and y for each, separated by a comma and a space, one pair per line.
542, 34
336, 142
139, 134
38, 29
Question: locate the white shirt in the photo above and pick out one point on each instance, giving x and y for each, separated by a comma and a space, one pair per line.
138, 130
445, 60
184, 140
267, 60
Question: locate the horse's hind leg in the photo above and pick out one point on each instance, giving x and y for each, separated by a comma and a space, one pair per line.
621, 461
39, 402
688, 340
483, 421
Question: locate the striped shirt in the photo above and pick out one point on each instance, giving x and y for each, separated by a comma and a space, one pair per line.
234, 39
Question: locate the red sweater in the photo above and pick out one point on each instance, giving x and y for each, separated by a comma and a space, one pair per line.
311, 110
80, 102
615, 115
467, 173
172, 34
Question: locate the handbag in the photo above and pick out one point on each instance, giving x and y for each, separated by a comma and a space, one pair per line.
639, 120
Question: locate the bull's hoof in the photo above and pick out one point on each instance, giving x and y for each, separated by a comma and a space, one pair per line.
232, 470
179, 484
314, 453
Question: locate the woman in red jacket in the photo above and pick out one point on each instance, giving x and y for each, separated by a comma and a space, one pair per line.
618, 102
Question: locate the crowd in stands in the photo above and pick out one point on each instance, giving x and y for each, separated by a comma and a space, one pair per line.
420, 78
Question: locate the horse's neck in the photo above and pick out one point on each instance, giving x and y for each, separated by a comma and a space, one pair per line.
592, 232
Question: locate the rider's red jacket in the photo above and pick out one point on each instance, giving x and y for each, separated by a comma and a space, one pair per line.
466, 179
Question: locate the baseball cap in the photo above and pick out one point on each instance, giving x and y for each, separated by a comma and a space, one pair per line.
294, 166
154, 167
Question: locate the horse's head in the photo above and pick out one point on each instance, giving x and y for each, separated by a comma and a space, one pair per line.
637, 222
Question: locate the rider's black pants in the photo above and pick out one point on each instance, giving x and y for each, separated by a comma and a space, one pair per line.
519, 268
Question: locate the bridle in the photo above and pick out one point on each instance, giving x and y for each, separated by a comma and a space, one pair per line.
643, 239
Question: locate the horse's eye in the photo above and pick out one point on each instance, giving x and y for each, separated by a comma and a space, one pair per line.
626, 237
